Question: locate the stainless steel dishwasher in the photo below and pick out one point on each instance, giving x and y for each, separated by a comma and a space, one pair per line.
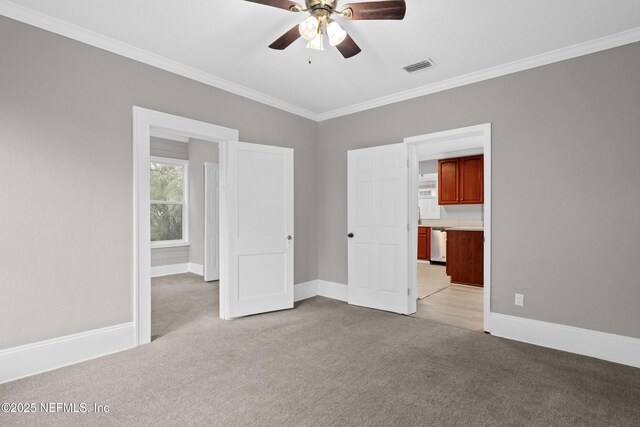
438, 245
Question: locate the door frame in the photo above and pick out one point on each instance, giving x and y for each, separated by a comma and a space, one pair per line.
481, 133
207, 231
143, 121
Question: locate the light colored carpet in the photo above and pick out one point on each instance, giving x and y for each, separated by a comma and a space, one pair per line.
191, 305
431, 278
326, 363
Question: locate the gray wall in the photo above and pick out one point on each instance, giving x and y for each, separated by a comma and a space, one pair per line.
452, 212
566, 184
169, 256
199, 153
566, 181
168, 148
174, 150
65, 139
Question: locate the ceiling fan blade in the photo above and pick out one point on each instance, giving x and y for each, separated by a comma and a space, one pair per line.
348, 47
281, 4
377, 10
286, 39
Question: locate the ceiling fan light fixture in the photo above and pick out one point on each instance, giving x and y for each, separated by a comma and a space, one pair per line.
335, 33
309, 28
317, 43
319, 23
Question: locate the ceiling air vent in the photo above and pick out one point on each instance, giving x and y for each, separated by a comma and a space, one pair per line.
427, 63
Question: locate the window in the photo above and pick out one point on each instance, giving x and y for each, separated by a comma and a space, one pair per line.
168, 189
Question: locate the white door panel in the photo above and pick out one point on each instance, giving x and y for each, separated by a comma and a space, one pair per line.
259, 204
377, 218
211, 225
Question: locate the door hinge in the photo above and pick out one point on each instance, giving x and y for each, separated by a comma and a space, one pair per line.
408, 163
408, 228
409, 291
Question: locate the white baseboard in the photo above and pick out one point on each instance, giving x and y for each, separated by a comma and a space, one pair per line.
185, 267
305, 290
321, 288
35, 358
601, 345
168, 270
196, 269
332, 290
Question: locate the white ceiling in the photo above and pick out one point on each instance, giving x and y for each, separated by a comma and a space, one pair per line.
228, 39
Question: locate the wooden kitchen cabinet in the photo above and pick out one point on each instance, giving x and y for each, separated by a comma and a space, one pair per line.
448, 186
471, 180
465, 257
424, 243
461, 180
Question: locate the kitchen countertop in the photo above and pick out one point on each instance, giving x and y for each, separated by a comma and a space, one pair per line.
468, 228
437, 223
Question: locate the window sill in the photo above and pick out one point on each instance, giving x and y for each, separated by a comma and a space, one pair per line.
176, 244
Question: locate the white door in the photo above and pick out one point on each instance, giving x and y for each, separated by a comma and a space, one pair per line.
211, 225
257, 228
378, 241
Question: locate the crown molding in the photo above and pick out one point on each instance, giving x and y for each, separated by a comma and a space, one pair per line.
603, 43
66, 29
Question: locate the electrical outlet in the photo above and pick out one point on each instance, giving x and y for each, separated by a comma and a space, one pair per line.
520, 300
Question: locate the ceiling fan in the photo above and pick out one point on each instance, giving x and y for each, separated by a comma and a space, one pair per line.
320, 23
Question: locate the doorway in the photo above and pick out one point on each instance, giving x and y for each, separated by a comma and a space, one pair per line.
444, 296
256, 241
145, 124
183, 183
458, 238
383, 219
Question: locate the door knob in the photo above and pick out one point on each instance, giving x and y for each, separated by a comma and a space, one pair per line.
350, 235
289, 237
